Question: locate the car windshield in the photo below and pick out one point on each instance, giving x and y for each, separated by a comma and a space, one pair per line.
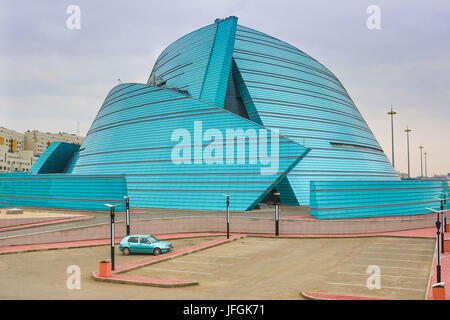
152, 238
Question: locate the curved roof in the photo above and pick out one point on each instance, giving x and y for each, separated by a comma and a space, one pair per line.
227, 76
281, 87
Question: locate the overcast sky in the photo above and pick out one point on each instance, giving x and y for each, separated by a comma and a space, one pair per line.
51, 76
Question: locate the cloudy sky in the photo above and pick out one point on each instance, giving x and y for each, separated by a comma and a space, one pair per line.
51, 76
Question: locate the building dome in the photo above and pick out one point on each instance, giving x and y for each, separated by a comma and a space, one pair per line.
228, 77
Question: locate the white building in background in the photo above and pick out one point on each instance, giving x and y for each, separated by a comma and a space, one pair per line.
39, 141
19, 151
13, 140
19, 161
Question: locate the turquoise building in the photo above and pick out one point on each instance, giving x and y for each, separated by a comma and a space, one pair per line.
229, 110
229, 76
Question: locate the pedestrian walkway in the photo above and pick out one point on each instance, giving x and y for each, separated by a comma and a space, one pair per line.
445, 275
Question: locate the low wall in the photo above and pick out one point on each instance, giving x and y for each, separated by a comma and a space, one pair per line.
81, 192
218, 224
361, 199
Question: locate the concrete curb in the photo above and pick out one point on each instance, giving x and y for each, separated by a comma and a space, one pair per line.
44, 223
144, 283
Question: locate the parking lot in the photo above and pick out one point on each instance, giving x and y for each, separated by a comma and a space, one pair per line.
42, 274
404, 266
266, 268
248, 268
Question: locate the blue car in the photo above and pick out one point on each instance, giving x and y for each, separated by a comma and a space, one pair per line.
144, 244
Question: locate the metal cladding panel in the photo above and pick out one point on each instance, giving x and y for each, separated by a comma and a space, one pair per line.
80, 192
71, 163
184, 63
216, 78
55, 158
284, 88
144, 134
361, 199
199, 62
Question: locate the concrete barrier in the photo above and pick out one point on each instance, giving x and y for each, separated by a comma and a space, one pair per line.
218, 224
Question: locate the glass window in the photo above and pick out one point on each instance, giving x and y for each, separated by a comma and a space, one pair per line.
145, 240
133, 239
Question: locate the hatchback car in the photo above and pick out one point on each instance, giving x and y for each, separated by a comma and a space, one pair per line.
144, 244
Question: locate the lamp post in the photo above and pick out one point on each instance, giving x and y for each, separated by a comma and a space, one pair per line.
438, 266
407, 143
421, 166
392, 113
426, 171
443, 225
228, 214
127, 209
276, 201
445, 211
112, 206
438, 247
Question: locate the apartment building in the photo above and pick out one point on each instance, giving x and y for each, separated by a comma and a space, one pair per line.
39, 141
14, 141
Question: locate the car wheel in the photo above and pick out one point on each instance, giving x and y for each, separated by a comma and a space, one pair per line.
157, 251
126, 251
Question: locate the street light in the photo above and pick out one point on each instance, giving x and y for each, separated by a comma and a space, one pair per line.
445, 213
392, 113
421, 166
438, 267
426, 171
112, 206
407, 142
442, 230
438, 257
444, 217
127, 209
228, 214
276, 201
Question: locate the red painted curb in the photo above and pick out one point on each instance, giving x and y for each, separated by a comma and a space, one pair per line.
139, 280
327, 296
